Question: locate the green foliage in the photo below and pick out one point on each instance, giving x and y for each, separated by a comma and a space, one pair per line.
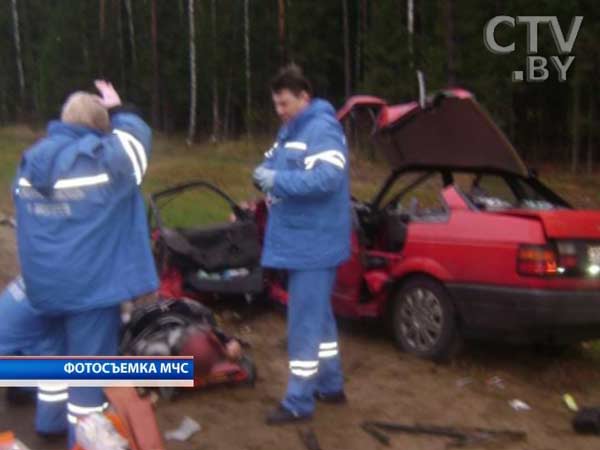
64, 48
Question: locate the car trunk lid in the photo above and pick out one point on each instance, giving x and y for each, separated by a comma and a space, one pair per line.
564, 223
451, 129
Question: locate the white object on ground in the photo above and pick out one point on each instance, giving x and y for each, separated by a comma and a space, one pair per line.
496, 381
464, 382
185, 430
519, 405
96, 432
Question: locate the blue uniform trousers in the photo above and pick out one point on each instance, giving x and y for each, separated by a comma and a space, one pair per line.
314, 359
23, 331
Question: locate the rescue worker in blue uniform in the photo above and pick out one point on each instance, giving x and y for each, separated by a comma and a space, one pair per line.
82, 234
26, 332
305, 176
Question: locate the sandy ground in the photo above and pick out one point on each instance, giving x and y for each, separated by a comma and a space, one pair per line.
382, 384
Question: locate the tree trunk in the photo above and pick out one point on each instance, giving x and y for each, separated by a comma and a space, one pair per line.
155, 77
102, 17
216, 129
512, 119
282, 46
29, 57
3, 105
248, 65
85, 42
117, 7
228, 125
410, 25
192, 45
129, 10
346, 26
181, 11
102, 29
227, 112
576, 123
19, 56
450, 46
361, 34
590, 133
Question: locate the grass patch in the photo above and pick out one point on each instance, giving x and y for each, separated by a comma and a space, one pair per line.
12, 142
228, 165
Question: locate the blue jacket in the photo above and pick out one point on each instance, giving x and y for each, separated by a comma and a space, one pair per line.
309, 216
82, 230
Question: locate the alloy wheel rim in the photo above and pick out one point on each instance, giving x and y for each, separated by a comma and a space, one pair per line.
421, 319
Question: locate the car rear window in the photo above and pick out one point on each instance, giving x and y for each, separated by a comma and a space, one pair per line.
496, 192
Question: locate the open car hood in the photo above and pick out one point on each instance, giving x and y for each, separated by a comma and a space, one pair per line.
451, 130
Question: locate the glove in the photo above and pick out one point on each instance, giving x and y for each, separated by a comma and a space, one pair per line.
264, 178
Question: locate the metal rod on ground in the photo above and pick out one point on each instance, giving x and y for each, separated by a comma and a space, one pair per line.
380, 436
461, 437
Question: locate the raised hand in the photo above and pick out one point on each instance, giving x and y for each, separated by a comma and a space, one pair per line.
108, 95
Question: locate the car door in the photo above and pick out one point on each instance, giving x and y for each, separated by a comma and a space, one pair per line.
380, 234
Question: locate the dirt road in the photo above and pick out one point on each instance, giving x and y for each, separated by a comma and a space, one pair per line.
382, 384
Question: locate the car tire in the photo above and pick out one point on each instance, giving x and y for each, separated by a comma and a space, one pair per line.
248, 365
424, 320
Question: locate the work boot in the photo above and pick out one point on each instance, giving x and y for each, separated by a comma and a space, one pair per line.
334, 398
281, 415
52, 437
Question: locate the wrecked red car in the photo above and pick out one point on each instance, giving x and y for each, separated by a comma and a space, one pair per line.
461, 239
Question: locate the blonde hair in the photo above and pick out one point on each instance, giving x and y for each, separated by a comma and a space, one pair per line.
85, 109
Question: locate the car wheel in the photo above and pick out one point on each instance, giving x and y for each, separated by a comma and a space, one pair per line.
424, 320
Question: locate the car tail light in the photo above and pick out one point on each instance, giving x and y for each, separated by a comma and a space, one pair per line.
537, 260
567, 256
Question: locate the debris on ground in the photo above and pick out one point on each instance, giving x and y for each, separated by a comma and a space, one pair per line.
496, 382
186, 430
462, 382
373, 431
97, 432
519, 405
460, 436
9, 441
570, 402
309, 439
8, 221
587, 421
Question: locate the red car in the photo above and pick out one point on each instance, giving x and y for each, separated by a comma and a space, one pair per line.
461, 239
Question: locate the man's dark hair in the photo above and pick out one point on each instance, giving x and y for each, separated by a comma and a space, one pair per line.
291, 77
